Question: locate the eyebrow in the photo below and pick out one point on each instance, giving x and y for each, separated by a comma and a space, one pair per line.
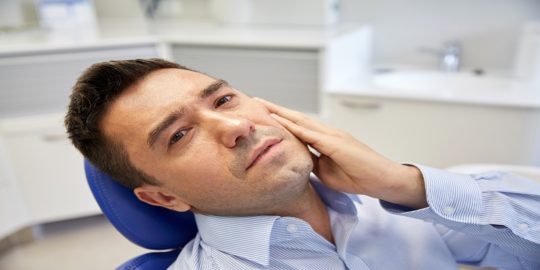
177, 114
212, 88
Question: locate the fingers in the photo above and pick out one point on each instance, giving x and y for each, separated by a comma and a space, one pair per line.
313, 138
301, 132
296, 117
282, 111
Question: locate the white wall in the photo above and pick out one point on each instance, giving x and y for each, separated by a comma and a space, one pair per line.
488, 29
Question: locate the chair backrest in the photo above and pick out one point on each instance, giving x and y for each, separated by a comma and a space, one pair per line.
148, 226
151, 261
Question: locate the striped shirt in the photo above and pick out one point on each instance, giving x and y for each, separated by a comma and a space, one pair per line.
489, 219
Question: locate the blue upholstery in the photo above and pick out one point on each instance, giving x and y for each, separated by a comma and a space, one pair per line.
152, 260
145, 225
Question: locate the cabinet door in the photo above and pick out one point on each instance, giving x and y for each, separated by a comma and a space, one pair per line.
48, 169
287, 77
37, 83
440, 134
12, 211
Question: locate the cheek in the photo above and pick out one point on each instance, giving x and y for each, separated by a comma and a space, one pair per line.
195, 169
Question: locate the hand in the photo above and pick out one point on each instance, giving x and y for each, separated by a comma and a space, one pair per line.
347, 165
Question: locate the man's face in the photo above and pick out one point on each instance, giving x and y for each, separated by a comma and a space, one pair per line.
211, 147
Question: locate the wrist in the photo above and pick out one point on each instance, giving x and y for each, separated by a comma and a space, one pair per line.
408, 188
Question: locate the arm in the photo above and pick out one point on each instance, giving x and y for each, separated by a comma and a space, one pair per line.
501, 212
468, 206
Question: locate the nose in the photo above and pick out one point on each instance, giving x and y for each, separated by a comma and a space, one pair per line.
228, 128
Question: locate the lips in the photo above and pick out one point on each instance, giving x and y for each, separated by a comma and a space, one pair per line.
260, 150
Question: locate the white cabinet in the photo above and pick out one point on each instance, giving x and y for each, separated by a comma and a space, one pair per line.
48, 169
44, 179
277, 68
440, 134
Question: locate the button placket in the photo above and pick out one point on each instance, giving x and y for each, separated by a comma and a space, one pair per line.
448, 210
523, 227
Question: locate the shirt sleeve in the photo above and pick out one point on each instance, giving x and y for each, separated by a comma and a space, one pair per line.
487, 219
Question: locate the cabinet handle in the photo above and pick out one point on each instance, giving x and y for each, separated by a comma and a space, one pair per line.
361, 104
54, 137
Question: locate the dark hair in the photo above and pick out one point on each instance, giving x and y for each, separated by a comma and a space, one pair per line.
94, 91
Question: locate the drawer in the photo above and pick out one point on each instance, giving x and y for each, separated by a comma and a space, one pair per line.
47, 168
42, 82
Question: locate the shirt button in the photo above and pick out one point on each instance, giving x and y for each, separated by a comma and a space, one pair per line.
292, 228
523, 227
449, 210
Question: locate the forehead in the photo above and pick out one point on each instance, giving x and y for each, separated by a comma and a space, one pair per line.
162, 88
164, 82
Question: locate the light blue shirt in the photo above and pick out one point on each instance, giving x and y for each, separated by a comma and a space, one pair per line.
489, 219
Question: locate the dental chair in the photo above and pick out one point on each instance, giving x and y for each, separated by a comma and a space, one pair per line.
148, 226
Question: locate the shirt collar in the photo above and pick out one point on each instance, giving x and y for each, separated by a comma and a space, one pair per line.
249, 237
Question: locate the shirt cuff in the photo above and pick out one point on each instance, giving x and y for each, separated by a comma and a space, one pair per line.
454, 199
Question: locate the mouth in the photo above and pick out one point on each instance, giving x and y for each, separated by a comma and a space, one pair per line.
261, 151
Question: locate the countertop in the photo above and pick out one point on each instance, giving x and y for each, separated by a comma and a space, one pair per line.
186, 33
518, 97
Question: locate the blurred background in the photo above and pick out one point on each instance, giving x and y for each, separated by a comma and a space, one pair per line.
450, 84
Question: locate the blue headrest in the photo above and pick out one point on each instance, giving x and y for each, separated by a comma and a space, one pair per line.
148, 226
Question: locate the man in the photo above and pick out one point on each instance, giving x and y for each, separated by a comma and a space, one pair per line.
186, 141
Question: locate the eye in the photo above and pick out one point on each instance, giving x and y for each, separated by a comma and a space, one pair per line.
222, 100
177, 136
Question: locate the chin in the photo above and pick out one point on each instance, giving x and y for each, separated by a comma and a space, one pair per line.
298, 163
303, 169
296, 173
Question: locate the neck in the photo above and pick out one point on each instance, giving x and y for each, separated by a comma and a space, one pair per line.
310, 208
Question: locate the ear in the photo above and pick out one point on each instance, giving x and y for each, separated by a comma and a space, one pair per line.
158, 196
